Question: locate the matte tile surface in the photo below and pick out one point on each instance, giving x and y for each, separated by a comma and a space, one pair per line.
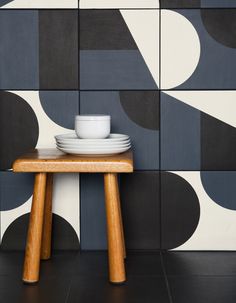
200, 289
180, 210
130, 112
200, 263
58, 49
112, 54
19, 49
136, 289
141, 209
83, 277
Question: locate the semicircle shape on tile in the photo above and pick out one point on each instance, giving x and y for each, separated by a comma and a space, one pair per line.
142, 107
64, 236
180, 210
220, 25
220, 187
21, 129
16, 189
180, 49
60, 106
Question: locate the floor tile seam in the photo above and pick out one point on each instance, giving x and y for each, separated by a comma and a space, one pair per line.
166, 279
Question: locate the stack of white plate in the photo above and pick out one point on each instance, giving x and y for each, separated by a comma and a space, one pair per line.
113, 144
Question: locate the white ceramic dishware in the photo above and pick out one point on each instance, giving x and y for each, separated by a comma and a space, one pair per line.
93, 147
104, 151
72, 138
113, 144
92, 126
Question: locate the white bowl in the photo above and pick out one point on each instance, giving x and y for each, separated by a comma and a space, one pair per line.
92, 126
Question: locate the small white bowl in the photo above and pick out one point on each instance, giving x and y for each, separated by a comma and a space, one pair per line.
93, 126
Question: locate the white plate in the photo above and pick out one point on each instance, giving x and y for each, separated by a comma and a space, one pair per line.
85, 143
93, 146
94, 152
73, 138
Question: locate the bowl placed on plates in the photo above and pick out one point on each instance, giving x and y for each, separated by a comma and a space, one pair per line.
93, 126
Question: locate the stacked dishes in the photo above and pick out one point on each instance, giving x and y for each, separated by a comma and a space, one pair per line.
113, 144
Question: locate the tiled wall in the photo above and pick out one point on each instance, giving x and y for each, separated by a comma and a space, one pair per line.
166, 73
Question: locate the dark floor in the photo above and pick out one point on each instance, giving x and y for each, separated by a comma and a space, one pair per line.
174, 277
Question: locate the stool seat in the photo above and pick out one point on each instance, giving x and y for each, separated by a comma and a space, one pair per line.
45, 162
53, 160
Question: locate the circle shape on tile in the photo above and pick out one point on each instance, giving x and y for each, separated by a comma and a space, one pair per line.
19, 128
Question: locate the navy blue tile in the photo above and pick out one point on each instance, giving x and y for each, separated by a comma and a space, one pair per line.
19, 66
61, 106
180, 135
93, 216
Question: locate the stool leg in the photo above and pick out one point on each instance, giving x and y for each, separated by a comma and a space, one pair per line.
33, 245
121, 223
114, 230
47, 221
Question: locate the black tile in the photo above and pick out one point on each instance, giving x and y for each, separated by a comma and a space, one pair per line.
180, 3
140, 264
200, 263
202, 289
58, 49
61, 263
50, 290
135, 290
104, 30
11, 263
141, 209
95, 264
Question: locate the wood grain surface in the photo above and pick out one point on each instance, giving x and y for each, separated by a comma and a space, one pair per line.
53, 160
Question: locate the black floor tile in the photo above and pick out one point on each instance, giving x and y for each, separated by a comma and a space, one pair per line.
96, 264
61, 262
203, 289
143, 289
200, 263
11, 263
50, 290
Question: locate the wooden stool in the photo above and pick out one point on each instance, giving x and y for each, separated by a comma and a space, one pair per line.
45, 162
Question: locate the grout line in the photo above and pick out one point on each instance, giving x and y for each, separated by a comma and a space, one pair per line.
80, 213
160, 202
160, 170
166, 279
117, 89
69, 289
